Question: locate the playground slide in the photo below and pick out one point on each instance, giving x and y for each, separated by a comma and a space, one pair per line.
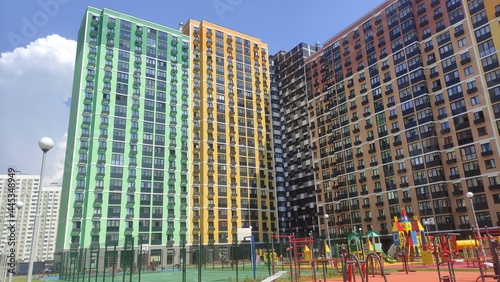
386, 257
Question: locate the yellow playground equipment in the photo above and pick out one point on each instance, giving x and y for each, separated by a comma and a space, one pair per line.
374, 245
265, 255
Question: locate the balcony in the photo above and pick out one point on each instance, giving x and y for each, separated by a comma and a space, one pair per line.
486, 153
464, 226
494, 187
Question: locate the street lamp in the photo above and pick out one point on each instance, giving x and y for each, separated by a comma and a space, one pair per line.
470, 195
328, 234
362, 246
45, 145
426, 222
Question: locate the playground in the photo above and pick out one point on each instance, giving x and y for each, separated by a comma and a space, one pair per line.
414, 254
228, 275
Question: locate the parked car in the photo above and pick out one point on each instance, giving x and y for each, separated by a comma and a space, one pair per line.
48, 270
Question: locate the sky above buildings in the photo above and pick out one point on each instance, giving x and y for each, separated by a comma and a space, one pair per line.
37, 52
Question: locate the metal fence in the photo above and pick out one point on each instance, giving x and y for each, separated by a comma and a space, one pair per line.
130, 261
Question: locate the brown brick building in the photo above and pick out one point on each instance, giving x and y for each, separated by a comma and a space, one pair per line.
404, 113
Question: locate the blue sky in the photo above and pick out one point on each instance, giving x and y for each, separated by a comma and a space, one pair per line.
37, 54
282, 24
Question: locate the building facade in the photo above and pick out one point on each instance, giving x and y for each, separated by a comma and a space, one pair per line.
404, 108
126, 179
233, 164
183, 136
169, 140
292, 137
27, 191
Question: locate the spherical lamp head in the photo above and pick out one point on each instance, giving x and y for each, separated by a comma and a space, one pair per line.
470, 195
327, 216
46, 143
19, 205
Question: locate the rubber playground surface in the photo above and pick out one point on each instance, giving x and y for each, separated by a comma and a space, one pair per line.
418, 274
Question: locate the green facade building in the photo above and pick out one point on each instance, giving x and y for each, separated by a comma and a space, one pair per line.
126, 173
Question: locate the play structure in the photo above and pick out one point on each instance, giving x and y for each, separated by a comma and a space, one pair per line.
444, 251
307, 262
374, 245
267, 255
407, 237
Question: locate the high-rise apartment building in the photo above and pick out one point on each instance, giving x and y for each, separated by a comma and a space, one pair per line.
232, 170
27, 191
404, 106
292, 138
50, 203
126, 177
169, 141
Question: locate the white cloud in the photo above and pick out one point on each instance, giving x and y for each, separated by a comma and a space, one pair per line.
35, 84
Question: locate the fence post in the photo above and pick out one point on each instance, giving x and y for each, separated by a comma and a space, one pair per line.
132, 259
114, 262
243, 257
84, 264
183, 257
97, 263
61, 271
268, 258
91, 255
236, 254
139, 260
199, 260
105, 263
123, 261
73, 262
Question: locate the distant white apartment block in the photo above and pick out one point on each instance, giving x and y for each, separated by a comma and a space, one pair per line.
26, 190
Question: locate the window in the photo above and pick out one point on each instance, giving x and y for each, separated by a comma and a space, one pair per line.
490, 62
479, 18
475, 100
445, 125
483, 32
438, 12
456, 16
490, 163
468, 70
462, 42
486, 48
442, 111
440, 25
446, 48
485, 147
468, 153
492, 78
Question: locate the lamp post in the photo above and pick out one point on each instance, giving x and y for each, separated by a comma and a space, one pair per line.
362, 246
328, 234
470, 195
45, 145
426, 222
